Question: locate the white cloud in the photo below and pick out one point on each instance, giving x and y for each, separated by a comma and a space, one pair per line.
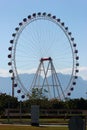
82, 72
27, 71
65, 71
4, 73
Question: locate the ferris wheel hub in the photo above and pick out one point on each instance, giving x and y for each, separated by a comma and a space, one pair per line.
46, 59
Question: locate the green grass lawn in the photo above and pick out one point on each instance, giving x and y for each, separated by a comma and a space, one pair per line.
15, 127
28, 121
5, 125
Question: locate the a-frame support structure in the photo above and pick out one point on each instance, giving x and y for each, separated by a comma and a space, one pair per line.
47, 79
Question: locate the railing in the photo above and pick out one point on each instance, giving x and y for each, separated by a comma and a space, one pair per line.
46, 112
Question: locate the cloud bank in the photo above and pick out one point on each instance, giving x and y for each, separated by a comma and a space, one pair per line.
82, 72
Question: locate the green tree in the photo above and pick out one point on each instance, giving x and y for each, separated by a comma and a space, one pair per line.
7, 101
37, 93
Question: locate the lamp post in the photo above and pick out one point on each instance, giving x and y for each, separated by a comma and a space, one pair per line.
20, 111
8, 111
86, 95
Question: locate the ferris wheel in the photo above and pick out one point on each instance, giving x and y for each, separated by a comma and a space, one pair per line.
43, 55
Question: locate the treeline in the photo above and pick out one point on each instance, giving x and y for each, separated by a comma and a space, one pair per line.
7, 101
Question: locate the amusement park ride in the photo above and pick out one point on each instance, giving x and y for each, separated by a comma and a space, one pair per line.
42, 45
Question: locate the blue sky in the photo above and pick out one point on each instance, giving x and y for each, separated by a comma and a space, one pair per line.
72, 12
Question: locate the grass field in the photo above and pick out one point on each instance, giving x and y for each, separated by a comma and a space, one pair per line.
17, 124
16, 127
28, 121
